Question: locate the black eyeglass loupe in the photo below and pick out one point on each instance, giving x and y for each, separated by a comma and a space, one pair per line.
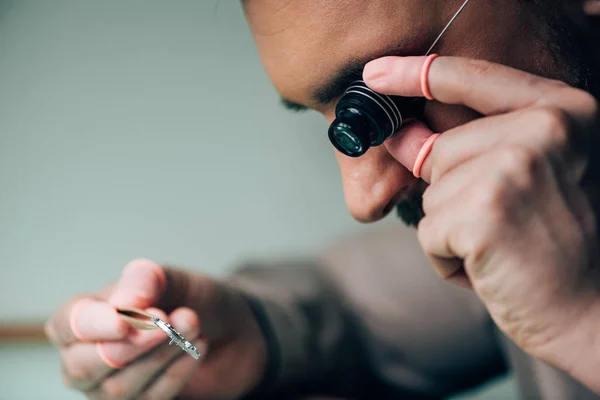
365, 119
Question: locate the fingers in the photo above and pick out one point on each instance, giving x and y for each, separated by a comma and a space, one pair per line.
118, 354
547, 135
85, 320
475, 206
483, 86
142, 284
86, 364
131, 381
480, 85
170, 384
436, 238
405, 144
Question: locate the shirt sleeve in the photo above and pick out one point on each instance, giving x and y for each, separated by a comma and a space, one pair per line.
311, 337
368, 319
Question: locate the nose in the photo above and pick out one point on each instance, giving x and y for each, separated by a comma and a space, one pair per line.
374, 183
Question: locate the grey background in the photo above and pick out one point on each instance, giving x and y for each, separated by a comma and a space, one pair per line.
144, 129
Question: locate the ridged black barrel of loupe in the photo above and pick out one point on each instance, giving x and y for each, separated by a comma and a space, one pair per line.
366, 117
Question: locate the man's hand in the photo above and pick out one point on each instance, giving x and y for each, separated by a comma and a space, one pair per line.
505, 208
106, 359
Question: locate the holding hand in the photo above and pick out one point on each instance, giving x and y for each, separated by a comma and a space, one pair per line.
105, 358
506, 210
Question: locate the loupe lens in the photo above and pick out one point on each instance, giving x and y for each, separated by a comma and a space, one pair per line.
346, 140
364, 119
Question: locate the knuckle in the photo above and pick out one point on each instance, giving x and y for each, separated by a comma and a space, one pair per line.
50, 331
424, 233
472, 71
114, 389
82, 374
518, 165
427, 199
79, 378
476, 246
491, 204
79, 373
476, 68
515, 158
67, 381
490, 198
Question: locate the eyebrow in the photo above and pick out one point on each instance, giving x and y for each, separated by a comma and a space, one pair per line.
335, 86
293, 106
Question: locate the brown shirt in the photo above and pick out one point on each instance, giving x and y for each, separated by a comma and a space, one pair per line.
370, 319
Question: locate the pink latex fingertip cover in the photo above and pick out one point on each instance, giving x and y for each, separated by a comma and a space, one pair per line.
425, 76
142, 284
423, 153
406, 144
106, 359
145, 263
119, 353
79, 304
400, 76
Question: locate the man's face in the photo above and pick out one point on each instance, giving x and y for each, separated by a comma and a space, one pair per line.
313, 49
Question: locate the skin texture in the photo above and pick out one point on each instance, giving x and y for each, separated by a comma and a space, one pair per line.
203, 310
292, 35
506, 211
517, 172
509, 202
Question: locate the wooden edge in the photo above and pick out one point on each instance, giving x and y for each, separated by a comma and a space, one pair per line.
20, 332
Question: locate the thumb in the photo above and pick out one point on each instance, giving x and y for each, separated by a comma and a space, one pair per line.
406, 144
142, 284
145, 283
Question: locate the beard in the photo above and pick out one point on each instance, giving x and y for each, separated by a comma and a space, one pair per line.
572, 48
410, 210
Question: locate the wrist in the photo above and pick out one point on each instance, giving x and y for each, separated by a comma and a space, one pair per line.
578, 352
271, 364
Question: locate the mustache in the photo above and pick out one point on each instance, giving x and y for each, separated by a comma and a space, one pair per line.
410, 210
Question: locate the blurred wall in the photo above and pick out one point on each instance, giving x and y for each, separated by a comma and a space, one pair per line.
147, 128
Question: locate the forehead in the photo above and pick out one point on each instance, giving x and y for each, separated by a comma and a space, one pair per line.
304, 42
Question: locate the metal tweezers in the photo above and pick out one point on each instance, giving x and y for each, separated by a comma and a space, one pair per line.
143, 320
